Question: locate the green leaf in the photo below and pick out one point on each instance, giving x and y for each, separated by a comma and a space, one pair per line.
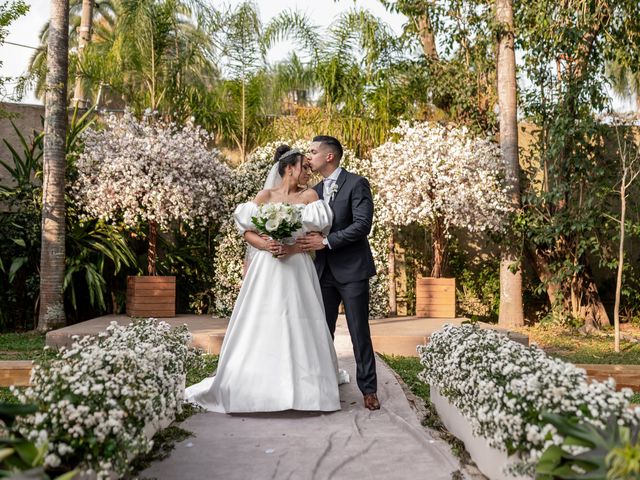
15, 266
27, 452
6, 452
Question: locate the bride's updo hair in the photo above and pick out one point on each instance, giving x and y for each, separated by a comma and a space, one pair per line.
285, 155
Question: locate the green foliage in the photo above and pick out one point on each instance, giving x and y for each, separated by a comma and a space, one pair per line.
201, 369
566, 47
459, 80
94, 249
189, 254
19, 456
477, 283
608, 453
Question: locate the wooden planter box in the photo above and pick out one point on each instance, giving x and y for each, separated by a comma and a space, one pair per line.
151, 296
15, 372
436, 297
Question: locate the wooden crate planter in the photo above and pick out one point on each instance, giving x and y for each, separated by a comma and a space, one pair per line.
151, 296
436, 297
15, 372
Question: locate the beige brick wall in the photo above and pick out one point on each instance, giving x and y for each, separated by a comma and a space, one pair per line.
27, 118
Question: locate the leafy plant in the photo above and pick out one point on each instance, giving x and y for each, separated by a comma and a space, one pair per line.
588, 451
93, 248
19, 455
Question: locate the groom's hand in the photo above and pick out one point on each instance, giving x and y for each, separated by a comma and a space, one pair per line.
311, 241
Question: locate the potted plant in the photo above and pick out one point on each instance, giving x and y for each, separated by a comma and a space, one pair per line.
440, 177
154, 173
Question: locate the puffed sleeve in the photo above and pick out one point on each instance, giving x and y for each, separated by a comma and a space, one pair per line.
242, 216
317, 217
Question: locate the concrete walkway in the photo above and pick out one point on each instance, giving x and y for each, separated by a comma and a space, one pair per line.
353, 443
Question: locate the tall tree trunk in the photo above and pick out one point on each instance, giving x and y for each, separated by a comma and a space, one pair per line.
86, 21
439, 247
542, 266
152, 254
511, 311
616, 308
393, 300
590, 307
52, 259
427, 36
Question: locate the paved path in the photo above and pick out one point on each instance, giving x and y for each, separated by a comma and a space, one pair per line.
353, 443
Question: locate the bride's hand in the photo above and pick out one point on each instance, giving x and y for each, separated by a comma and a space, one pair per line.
273, 246
286, 250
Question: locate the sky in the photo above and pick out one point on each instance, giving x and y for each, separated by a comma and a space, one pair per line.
25, 31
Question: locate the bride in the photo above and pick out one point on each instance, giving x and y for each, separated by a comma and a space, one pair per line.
277, 353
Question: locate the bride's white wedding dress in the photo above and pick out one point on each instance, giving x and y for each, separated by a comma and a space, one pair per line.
277, 353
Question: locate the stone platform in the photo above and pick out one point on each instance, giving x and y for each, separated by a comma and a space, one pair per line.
391, 336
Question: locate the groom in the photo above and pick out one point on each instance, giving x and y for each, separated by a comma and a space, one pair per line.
343, 259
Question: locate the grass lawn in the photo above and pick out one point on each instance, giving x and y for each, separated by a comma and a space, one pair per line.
21, 346
577, 348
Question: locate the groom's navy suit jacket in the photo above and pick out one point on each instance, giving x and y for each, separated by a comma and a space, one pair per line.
349, 257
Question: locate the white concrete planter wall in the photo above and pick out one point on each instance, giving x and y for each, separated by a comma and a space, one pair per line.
490, 461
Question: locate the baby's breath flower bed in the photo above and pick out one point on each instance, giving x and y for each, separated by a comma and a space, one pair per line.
98, 398
502, 388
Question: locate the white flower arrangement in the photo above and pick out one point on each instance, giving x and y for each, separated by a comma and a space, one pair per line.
248, 180
96, 397
151, 170
278, 220
503, 387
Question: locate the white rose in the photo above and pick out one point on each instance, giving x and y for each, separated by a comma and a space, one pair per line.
272, 225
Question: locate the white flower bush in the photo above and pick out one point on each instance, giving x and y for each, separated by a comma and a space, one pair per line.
439, 177
96, 397
248, 181
503, 387
150, 170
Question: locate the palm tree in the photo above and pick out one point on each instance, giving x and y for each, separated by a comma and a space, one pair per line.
245, 54
102, 21
511, 311
52, 260
86, 22
149, 53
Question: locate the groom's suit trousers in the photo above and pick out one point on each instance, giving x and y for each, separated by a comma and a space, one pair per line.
355, 296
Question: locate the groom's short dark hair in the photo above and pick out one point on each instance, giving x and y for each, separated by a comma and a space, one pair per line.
332, 142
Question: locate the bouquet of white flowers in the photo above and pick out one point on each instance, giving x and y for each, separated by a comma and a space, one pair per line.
278, 220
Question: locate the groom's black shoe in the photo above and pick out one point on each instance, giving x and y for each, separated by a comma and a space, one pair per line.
371, 401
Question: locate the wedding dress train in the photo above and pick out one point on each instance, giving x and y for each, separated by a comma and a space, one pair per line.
277, 353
